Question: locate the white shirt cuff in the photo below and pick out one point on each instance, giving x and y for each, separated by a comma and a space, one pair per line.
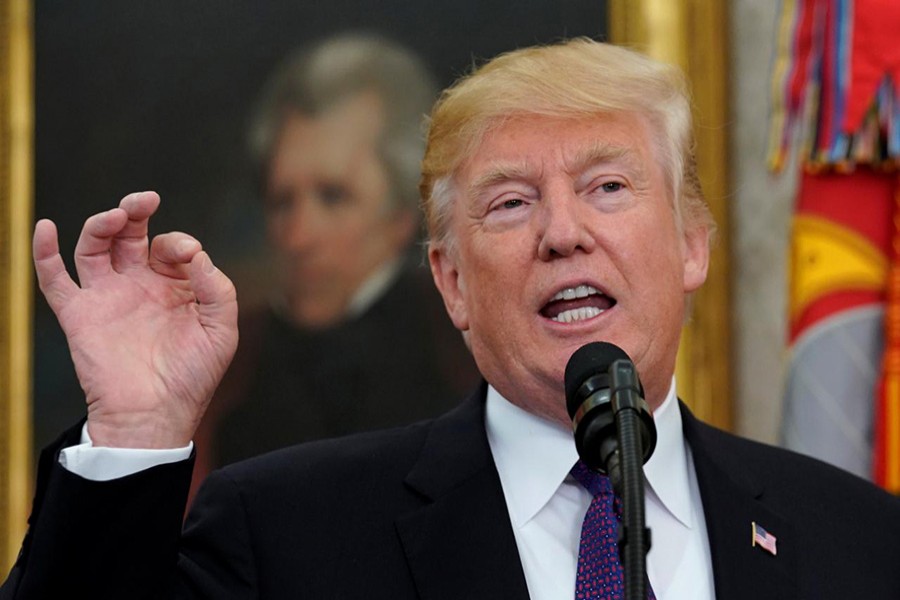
103, 464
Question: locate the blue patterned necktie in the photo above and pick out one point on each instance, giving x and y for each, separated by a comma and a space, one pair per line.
599, 573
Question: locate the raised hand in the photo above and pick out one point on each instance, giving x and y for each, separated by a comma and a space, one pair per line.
151, 328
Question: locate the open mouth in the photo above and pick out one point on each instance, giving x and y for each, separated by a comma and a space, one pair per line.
577, 304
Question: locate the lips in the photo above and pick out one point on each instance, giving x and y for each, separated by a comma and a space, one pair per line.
577, 304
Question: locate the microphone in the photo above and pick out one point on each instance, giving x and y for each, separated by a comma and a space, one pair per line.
601, 381
615, 434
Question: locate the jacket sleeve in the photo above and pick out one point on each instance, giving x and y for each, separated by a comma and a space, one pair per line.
111, 539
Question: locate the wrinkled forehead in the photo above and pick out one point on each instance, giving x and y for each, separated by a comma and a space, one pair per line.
507, 148
495, 170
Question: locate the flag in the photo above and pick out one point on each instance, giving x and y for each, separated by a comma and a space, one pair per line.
764, 539
836, 97
838, 270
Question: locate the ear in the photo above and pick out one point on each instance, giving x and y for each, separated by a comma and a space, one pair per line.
696, 257
450, 283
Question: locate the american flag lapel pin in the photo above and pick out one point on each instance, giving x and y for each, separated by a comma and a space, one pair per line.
763, 539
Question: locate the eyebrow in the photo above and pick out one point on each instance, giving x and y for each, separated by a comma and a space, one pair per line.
601, 152
500, 174
597, 153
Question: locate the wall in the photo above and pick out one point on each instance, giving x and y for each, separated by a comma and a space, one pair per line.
761, 210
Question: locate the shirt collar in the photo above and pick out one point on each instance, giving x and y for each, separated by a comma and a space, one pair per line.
534, 456
667, 470
373, 288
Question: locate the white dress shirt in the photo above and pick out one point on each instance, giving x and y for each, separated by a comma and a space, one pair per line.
100, 463
547, 506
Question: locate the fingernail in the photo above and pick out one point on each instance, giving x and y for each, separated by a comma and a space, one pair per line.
208, 266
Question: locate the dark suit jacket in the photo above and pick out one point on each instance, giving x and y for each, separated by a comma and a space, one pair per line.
418, 512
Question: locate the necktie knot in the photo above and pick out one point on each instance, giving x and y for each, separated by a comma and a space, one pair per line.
596, 483
599, 572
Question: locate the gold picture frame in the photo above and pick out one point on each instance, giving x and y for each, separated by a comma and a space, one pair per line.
16, 174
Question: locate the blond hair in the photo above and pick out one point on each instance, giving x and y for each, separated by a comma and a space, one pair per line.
575, 79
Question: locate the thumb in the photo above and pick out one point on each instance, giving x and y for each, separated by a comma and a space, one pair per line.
217, 301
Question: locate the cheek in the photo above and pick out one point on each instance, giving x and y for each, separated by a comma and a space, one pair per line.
276, 230
664, 247
494, 293
345, 230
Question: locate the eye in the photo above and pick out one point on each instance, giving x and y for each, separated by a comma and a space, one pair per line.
512, 203
611, 186
278, 203
610, 193
332, 194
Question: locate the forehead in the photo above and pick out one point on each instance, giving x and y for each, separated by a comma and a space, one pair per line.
534, 146
332, 136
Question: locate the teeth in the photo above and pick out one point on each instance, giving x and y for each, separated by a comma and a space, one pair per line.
577, 314
582, 291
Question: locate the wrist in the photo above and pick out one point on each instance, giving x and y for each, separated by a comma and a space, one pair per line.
134, 431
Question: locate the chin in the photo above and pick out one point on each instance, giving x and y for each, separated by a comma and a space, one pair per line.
315, 319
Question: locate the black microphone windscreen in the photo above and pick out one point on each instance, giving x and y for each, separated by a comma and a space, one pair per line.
591, 359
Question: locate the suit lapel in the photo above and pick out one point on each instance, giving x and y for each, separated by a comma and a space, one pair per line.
733, 499
461, 543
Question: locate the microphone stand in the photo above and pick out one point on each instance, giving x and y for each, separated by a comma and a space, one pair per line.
614, 434
627, 477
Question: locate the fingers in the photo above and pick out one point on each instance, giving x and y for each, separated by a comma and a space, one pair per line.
129, 246
217, 301
180, 256
171, 254
92, 259
53, 279
116, 239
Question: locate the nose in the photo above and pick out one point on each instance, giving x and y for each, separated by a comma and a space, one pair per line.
564, 226
298, 228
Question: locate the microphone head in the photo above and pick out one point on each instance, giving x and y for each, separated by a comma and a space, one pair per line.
589, 360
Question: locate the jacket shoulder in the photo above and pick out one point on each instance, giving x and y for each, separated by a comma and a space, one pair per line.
783, 473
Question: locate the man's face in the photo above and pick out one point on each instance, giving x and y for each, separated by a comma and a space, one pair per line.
566, 235
326, 208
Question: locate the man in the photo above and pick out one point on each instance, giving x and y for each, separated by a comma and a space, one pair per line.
356, 337
563, 208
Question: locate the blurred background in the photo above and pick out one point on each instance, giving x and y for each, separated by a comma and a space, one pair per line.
108, 98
